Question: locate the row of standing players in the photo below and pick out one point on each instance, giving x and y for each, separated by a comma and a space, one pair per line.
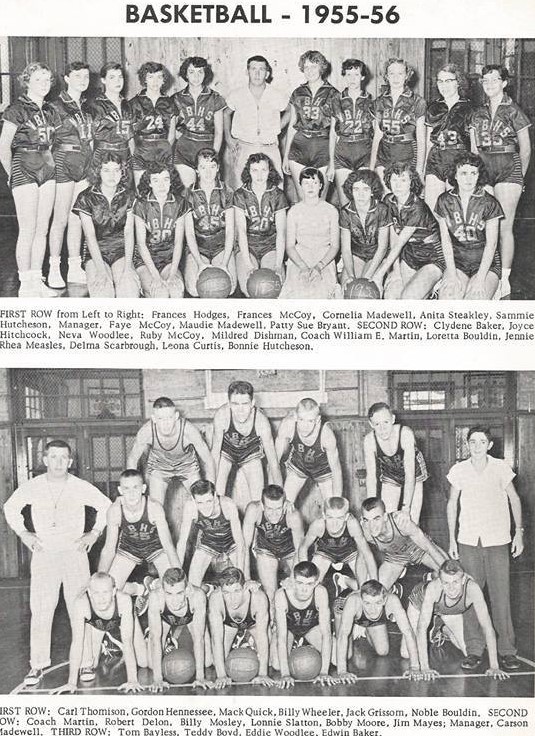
361, 599
49, 150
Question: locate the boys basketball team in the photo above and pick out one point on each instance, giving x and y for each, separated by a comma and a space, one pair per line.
427, 193
263, 586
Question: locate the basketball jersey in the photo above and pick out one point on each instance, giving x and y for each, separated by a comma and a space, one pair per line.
110, 626
160, 220
215, 533
36, 126
354, 118
495, 132
400, 548
364, 236
441, 607
260, 216
337, 548
179, 460
449, 126
109, 220
367, 623
195, 118
399, 119
76, 124
414, 213
309, 460
174, 620
151, 121
209, 218
301, 620
275, 538
314, 112
468, 231
238, 448
242, 625
392, 468
112, 125
139, 539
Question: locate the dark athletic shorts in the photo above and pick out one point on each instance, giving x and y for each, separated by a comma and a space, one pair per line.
310, 151
503, 168
31, 167
348, 155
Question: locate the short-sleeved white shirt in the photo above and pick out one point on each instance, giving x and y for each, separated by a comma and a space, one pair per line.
257, 121
484, 515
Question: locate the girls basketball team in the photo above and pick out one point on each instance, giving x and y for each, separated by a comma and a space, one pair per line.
427, 193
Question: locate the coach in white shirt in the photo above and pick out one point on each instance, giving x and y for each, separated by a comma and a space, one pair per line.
59, 546
484, 487
253, 118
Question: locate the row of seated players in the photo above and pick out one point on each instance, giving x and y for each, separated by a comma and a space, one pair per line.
241, 612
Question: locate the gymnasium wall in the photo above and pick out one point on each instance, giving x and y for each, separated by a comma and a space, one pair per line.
228, 57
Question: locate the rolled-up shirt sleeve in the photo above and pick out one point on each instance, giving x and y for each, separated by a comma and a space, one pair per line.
13, 509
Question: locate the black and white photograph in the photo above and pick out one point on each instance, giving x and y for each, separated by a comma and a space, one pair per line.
267, 532
321, 168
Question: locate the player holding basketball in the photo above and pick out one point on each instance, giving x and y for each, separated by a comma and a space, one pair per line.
500, 135
238, 617
159, 219
415, 253
105, 211
72, 152
364, 226
242, 438
136, 531
311, 131
102, 611
310, 443
177, 618
399, 134
400, 541
260, 217
353, 113
174, 446
59, 546
218, 527
273, 529
371, 608
209, 224
28, 130
199, 117
153, 119
390, 452
302, 613
469, 219
338, 540
448, 598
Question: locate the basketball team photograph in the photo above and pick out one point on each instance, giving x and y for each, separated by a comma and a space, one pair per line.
267, 532
232, 168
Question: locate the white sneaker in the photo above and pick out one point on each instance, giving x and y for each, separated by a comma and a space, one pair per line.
42, 290
33, 677
75, 274
87, 674
55, 279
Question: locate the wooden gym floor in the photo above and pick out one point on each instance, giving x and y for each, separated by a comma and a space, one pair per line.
378, 676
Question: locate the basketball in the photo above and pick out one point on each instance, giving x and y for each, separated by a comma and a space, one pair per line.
264, 284
213, 283
361, 289
304, 663
178, 666
242, 664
